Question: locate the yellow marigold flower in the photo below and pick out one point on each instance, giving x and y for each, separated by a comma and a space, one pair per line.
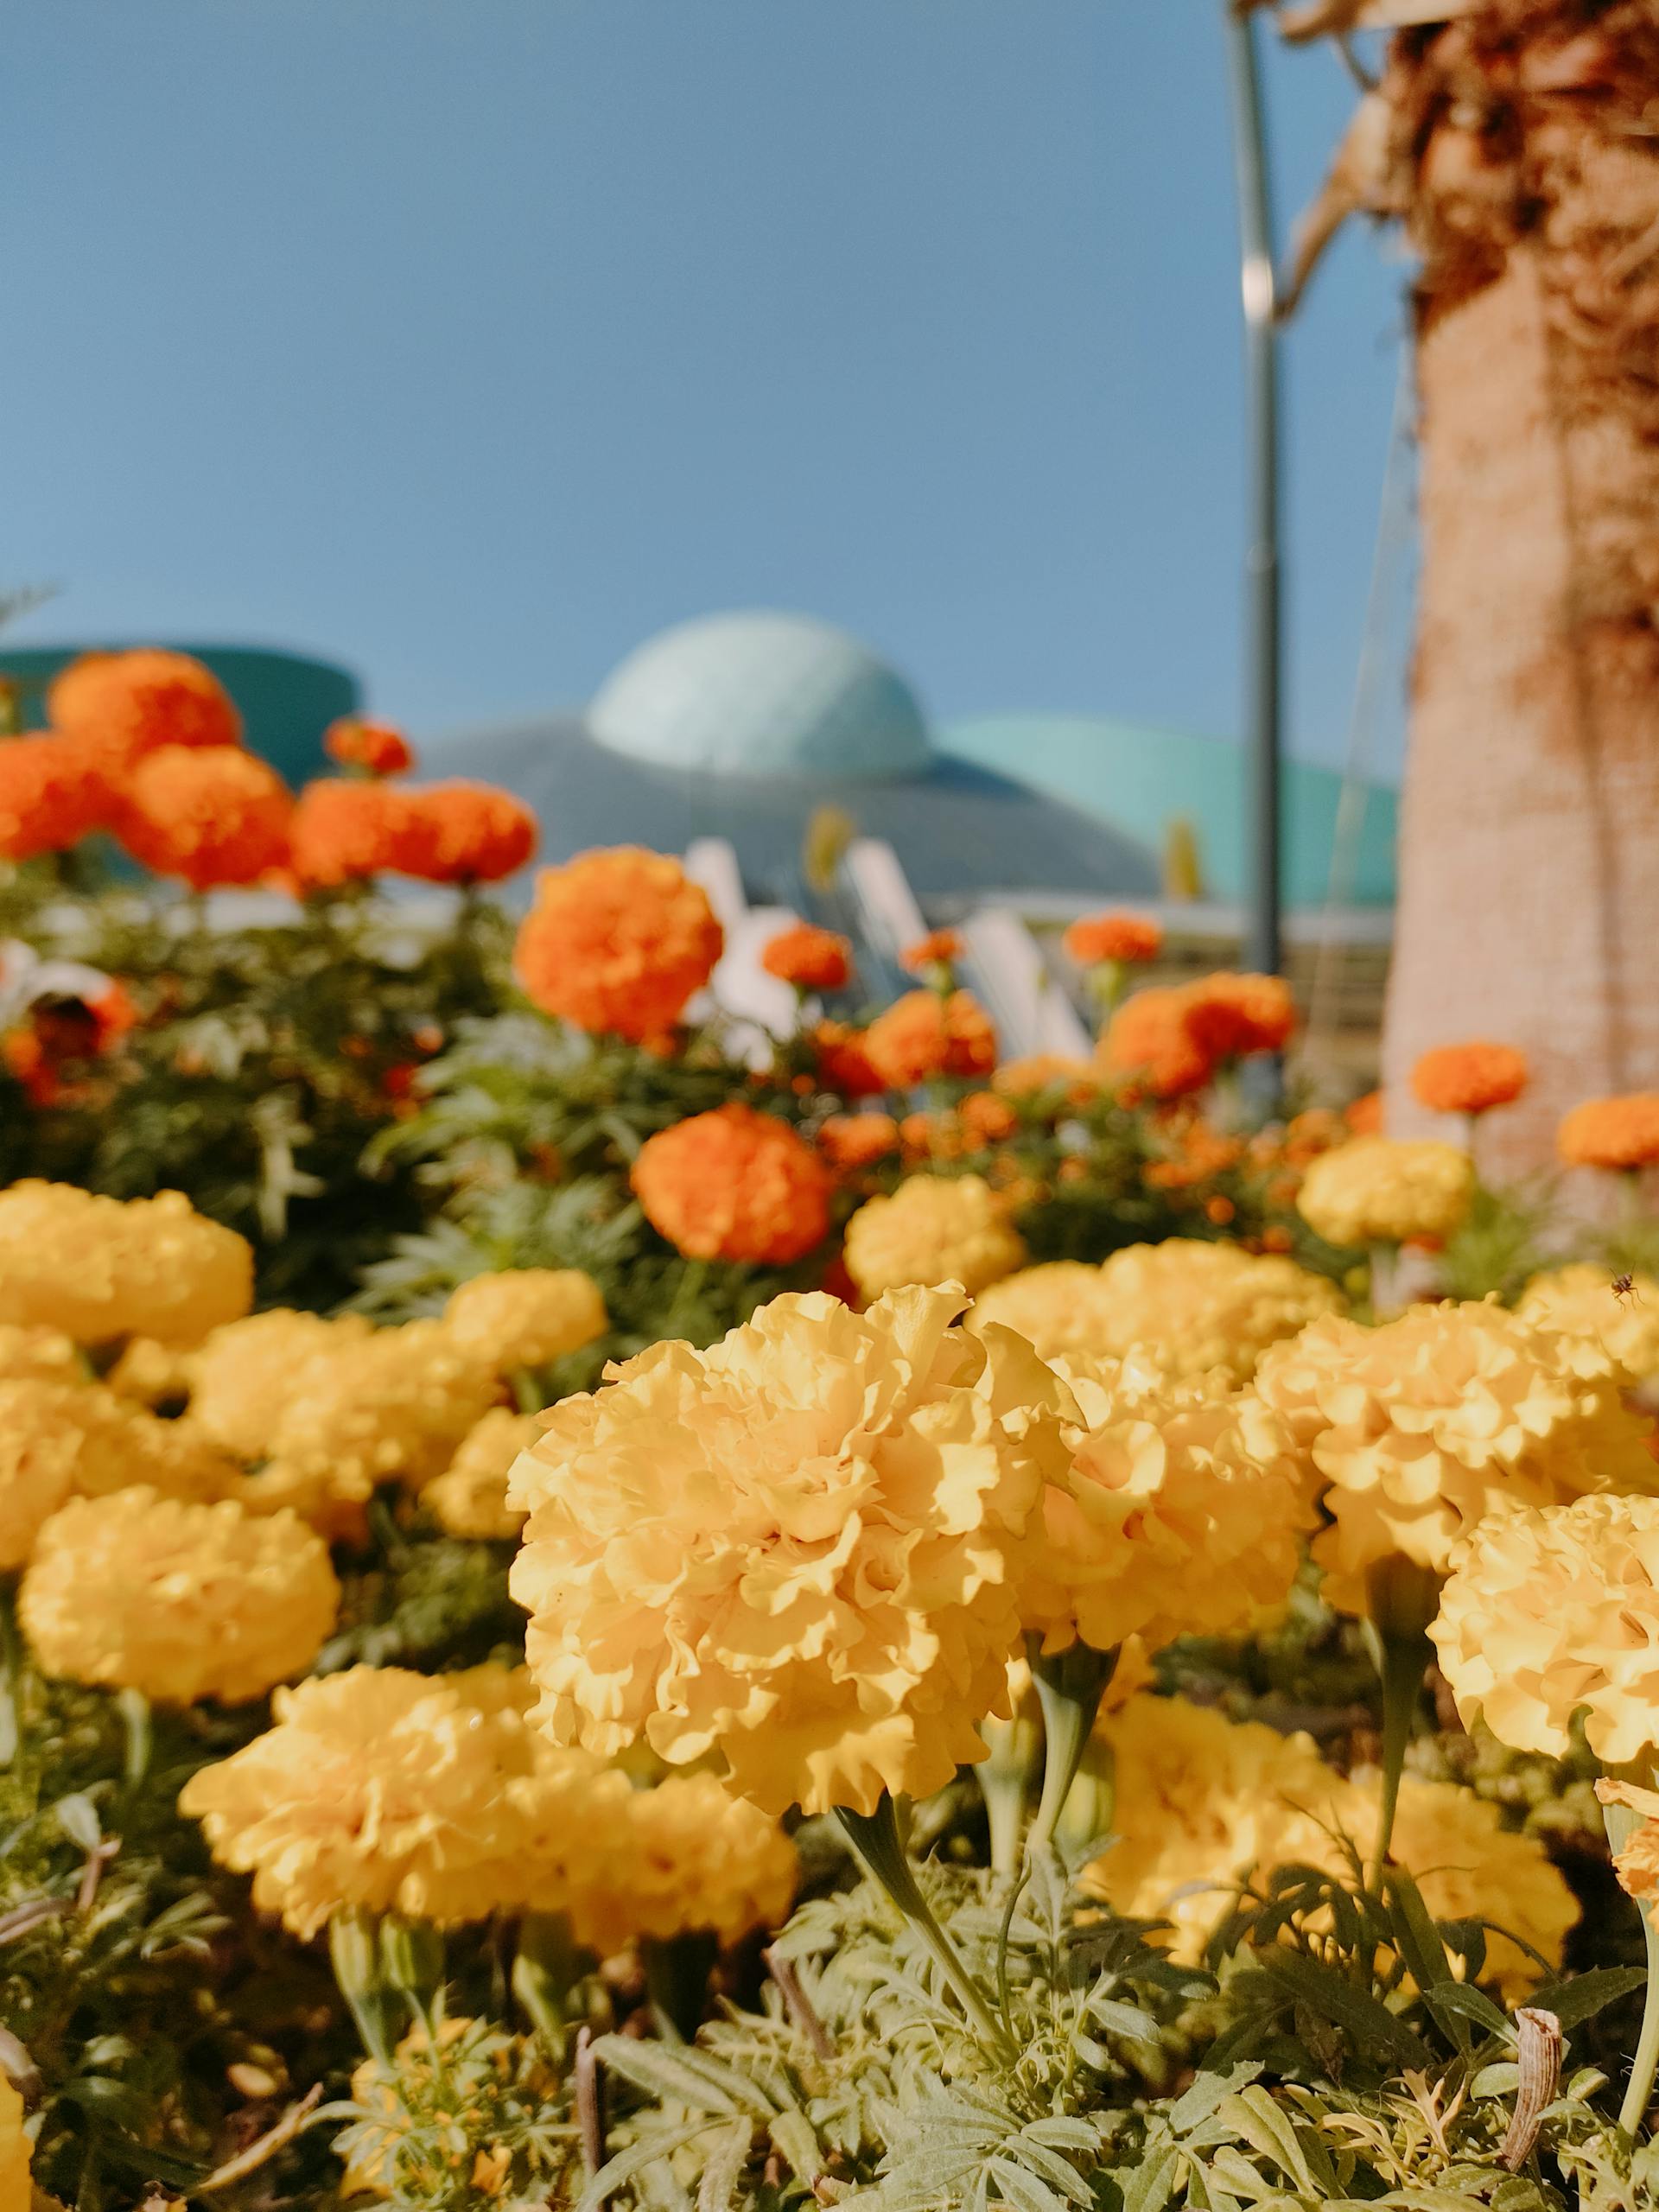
795, 1548
182, 1602
1180, 1513
1636, 1861
1419, 1428
1202, 1803
63, 1439
243, 1377
695, 1857
385, 1790
470, 1497
393, 1403
98, 1268
933, 1230
1188, 1306
35, 1354
1548, 1610
525, 1317
14, 2149
150, 1373
1579, 1301
1387, 1191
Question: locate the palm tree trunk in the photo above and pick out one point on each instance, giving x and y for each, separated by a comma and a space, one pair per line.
1529, 133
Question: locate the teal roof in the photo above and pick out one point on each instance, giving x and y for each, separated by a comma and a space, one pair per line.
1140, 780
287, 700
761, 695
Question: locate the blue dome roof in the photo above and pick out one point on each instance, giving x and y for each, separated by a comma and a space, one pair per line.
761, 695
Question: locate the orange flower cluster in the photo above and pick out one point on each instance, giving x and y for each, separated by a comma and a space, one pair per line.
810, 958
52, 795
462, 833
1620, 1133
211, 815
1469, 1079
735, 1185
345, 832
121, 705
938, 949
1095, 939
1175, 1040
851, 1143
376, 747
923, 1035
1364, 1114
1040, 1071
618, 940
843, 1060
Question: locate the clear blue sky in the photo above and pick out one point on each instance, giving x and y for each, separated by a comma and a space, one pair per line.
469, 341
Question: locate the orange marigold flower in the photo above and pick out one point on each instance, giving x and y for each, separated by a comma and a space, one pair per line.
1469, 1079
1364, 1114
735, 1185
376, 746
1094, 939
929, 1136
844, 1061
52, 795
122, 704
810, 958
618, 940
852, 1142
938, 949
1047, 1070
1619, 1133
344, 831
922, 1035
1315, 1130
211, 815
986, 1119
1233, 1016
1150, 1037
463, 833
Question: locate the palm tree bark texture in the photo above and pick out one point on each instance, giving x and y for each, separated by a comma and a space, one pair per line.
1519, 143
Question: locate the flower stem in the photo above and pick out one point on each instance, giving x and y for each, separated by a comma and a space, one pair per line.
544, 1972
1405, 1661
874, 1837
354, 1954
1004, 1779
134, 1708
1619, 1820
1070, 1685
677, 1975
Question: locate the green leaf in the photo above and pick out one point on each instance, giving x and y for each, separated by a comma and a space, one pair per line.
1582, 1996
1253, 2114
1363, 2018
1461, 1999
723, 2167
1149, 2186
1023, 2191
1207, 2091
792, 2134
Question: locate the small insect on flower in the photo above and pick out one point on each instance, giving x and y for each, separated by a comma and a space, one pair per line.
1624, 1286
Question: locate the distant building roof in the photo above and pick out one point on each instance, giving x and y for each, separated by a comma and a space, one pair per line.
761, 695
956, 828
287, 700
1141, 780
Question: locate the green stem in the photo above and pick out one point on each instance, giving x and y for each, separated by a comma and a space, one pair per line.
134, 1708
874, 1837
544, 1972
1070, 1685
1619, 1820
1406, 1656
354, 1954
11, 1677
1004, 1781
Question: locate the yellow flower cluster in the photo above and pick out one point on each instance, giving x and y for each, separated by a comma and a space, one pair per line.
797, 1549
525, 1317
102, 1269
1417, 1429
13, 2150
694, 1857
1180, 1512
1636, 1859
382, 1789
179, 1601
1202, 1803
933, 1230
1546, 1611
1579, 1301
59, 1440
1387, 1191
1189, 1305
36, 1354
239, 1380
469, 1498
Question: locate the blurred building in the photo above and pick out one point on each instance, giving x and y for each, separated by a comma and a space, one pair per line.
750, 726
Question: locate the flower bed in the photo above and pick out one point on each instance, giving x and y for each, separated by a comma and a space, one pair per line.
585, 1622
